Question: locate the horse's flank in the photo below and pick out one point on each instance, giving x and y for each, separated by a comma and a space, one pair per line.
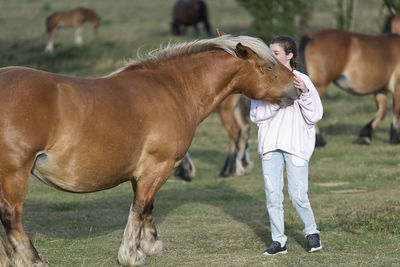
74, 17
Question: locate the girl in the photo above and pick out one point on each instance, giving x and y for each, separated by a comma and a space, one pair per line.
287, 136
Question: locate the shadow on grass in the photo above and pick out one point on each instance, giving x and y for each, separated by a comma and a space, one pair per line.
74, 219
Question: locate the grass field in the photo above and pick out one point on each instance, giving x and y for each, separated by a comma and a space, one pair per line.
354, 189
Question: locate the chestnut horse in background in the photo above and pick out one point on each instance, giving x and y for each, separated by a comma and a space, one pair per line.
189, 13
90, 134
234, 115
72, 18
360, 64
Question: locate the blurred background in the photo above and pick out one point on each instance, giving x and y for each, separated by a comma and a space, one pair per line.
129, 27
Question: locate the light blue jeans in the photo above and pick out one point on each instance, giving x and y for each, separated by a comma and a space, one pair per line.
297, 176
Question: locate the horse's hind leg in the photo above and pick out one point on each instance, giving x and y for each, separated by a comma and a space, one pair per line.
226, 113
13, 188
365, 136
241, 114
186, 170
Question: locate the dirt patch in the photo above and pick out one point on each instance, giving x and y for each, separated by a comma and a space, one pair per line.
345, 191
331, 184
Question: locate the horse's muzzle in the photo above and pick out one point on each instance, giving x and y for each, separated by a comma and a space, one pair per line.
292, 94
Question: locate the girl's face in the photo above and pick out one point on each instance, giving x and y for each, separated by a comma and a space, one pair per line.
279, 53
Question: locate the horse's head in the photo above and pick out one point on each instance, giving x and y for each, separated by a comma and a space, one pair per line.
263, 77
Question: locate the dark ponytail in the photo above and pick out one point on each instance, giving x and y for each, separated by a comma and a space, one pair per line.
289, 46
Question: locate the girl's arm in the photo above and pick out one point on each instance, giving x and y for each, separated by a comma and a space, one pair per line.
310, 102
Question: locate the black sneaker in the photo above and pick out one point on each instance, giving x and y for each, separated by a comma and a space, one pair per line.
275, 248
314, 243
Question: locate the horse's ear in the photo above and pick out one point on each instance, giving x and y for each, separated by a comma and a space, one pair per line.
220, 33
241, 51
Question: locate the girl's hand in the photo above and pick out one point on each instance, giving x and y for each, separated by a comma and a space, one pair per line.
299, 83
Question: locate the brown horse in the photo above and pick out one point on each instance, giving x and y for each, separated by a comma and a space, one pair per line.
136, 124
189, 13
234, 115
73, 18
360, 64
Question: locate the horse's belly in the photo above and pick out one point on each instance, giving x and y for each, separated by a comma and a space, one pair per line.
358, 84
73, 178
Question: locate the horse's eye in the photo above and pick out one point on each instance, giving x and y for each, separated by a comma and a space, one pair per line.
269, 68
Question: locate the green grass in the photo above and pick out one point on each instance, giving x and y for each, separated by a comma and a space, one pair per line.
354, 189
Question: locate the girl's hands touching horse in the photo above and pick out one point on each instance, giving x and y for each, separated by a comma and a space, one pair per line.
299, 83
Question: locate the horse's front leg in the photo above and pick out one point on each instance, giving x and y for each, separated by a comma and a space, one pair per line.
150, 243
4, 260
395, 125
78, 35
50, 41
140, 235
365, 136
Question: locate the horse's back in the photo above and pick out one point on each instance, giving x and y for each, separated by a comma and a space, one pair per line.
357, 62
73, 17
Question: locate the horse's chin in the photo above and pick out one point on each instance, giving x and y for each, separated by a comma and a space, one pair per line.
293, 94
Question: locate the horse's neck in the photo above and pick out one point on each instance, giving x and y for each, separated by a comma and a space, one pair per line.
205, 79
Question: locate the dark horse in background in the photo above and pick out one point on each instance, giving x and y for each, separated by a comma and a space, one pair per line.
359, 64
189, 13
135, 125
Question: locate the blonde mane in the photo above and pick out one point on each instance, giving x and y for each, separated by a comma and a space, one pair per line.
226, 42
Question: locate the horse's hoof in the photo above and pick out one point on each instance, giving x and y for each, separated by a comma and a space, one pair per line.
365, 140
319, 141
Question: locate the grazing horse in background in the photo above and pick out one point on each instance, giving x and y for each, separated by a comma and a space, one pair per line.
234, 115
189, 13
73, 18
90, 134
360, 64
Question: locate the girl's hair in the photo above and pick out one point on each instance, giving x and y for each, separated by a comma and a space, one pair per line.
289, 46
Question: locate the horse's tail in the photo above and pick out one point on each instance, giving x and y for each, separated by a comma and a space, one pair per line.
204, 16
302, 60
387, 27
